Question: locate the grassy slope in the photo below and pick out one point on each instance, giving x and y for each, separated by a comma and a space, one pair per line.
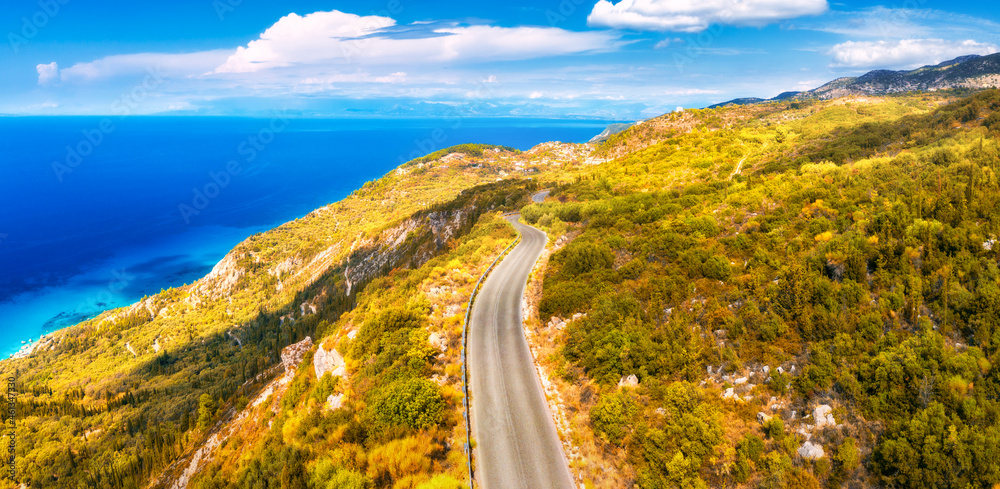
850, 247
91, 413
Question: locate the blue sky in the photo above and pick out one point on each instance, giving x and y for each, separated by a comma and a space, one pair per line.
617, 59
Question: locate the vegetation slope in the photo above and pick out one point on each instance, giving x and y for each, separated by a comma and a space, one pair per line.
749, 266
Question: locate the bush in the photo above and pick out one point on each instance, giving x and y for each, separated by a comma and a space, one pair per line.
532, 213
848, 454
377, 334
993, 122
583, 257
611, 417
413, 403
716, 268
563, 298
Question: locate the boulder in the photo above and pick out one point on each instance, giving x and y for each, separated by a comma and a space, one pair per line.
334, 402
763, 418
329, 361
822, 415
741, 380
630, 381
811, 451
438, 341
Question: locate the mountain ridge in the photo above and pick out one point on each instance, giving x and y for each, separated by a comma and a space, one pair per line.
971, 71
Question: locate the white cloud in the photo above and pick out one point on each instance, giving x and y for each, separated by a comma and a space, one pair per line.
905, 53
164, 64
47, 73
340, 39
901, 23
691, 91
397, 77
696, 16
667, 42
535, 95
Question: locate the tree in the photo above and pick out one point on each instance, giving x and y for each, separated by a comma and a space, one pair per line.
206, 410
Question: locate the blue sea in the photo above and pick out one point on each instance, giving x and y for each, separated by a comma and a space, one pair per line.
96, 213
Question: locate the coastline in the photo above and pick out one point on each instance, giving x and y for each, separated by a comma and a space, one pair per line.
123, 279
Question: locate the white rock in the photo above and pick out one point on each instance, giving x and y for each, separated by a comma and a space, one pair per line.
810, 451
781, 370
630, 381
438, 341
292, 354
329, 361
334, 401
741, 380
763, 418
823, 417
766, 370
709, 370
729, 394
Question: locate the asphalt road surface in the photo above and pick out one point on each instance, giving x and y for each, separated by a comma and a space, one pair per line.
517, 445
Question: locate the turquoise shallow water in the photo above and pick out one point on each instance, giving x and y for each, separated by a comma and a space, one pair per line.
96, 213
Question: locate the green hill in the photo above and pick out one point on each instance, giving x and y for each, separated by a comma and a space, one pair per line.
805, 292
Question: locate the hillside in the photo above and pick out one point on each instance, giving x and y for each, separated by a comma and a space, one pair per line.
794, 294
967, 72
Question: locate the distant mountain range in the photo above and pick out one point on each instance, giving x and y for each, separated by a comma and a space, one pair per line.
972, 71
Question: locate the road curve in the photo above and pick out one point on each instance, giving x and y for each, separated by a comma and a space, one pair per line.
517, 445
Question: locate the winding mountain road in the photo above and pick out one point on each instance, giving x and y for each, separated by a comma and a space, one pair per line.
517, 445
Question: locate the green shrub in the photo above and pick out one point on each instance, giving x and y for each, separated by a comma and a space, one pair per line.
612, 416
412, 403
379, 333
583, 257
716, 268
848, 454
993, 122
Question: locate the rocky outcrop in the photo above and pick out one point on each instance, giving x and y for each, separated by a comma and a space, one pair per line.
811, 451
329, 361
823, 416
223, 277
291, 355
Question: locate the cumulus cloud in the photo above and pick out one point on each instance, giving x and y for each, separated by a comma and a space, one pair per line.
696, 16
341, 39
905, 53
47, 73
